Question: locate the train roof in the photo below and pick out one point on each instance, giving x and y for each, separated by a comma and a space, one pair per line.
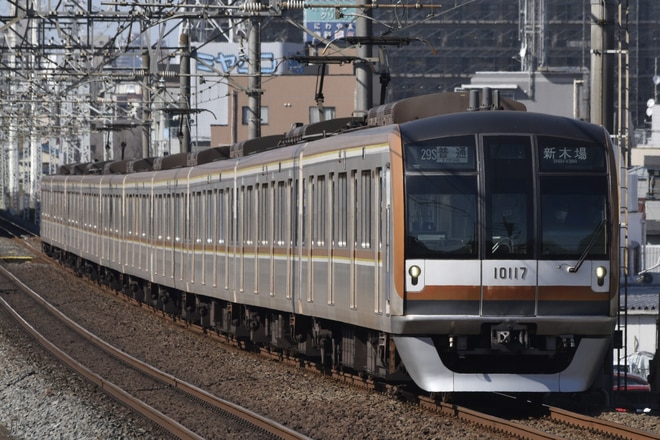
437, 104
498, 122
398, 112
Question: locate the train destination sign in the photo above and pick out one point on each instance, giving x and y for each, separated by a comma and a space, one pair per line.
458, 153
556, 154
450, 154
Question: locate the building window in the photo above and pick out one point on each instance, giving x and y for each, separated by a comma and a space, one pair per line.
246, 115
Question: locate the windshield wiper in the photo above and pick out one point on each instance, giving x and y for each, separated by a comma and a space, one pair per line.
590, 245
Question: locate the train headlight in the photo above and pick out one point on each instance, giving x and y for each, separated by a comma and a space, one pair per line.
600, 275
414, 272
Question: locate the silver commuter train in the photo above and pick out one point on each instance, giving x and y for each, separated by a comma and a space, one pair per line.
467, 250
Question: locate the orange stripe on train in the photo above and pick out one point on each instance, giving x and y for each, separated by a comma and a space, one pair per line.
508, 293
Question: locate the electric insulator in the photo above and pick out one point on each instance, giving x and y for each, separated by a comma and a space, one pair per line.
294, 4
252, 6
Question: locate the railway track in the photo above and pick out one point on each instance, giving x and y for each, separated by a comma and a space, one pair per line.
612, 430
181, 409
554, 419
530, 421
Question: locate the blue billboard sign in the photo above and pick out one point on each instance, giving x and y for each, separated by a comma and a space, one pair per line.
330, 23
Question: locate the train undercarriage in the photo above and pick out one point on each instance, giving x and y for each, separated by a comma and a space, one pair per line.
332, 344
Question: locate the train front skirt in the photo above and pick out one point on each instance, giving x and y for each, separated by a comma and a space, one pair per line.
427, 370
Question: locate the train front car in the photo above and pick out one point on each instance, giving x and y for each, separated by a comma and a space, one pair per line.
511, 252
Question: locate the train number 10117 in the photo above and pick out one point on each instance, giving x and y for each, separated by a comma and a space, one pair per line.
509, 273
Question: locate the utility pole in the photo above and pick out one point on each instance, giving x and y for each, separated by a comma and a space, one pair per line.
146, 104
363, 66
12, 137
533, 52
254, 78
184, 84
602, 82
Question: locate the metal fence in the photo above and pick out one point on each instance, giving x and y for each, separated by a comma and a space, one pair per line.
650, 258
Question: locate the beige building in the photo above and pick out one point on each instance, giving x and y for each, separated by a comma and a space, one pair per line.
288, 99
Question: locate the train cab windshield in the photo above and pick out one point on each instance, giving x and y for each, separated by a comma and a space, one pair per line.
542, 197
573, 187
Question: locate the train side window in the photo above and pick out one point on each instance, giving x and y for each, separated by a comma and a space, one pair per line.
84, 210
97, 212
156, 232
341, 211
90, 211
365, 210
137, 218
380, 205
279, 208
277, 220
87, 212
167, 218
197, 215
355, 213
129, 214
248, 216
111, 214
220, 216
177, 216
189, 216
119, 212
327, 210
263, 214
146, 216
209, 218
139, 215
318, 211
183, 212
231, 206
106, 213
309, 214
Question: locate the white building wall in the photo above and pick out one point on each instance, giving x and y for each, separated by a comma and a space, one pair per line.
641, 331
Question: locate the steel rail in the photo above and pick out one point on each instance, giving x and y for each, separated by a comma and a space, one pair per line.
491, 422
497, 424
606, 427
135, 404
250, 417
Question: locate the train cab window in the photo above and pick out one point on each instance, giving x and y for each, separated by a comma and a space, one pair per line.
441, 216
573, 198
573, 217
441, 201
